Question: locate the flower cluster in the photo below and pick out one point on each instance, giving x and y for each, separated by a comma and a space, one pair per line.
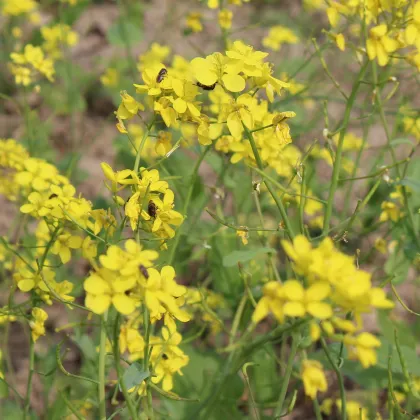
333, 287
384, 39
28, 65
150, 206
173, 93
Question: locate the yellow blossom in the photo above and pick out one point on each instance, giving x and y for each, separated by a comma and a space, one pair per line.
380, 45
39, 316
225, 18
313, 378
193, 21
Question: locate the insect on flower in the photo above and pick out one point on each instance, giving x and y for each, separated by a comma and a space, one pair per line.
206, 87
151, 209
161, 75
144, 271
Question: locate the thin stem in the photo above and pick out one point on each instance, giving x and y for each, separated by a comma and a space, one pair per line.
278, 202
339, 378
101, 371
317, 409
140, 149
187, 202
326, 69
30, 376
394, 157
337, 162
286, 377
127, 397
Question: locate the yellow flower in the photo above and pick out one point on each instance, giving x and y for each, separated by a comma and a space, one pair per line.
380, 45
390, 211
111, 77
36, 206
161, 291
340, 41
269, 83
300, 252
194, 21
165, 216
63, 244
56, 38
271, 302
117, 178
130, 340
163, 143
157, 54
212, 69
164, 107
225, 18
381, 245
363, 348
279, 35
240, 115
39, 316
16, 8
313, 378
412, 31
129, 107
154, 85
243, 234
104, 288
300, 301
281, 128
186, 92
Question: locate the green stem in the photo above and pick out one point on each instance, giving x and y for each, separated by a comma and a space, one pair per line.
339, 378
101, 372
394, 157
28, 125
317, 409
147, 327
140, 149
187, 202
286, 377
268, 185
29, 384
128, 399
337, 162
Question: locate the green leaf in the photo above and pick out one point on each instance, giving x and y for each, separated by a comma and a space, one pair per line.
388, 326
134, 375
397, 266
408, 353
397, 142
236, 257
412, 183
119, 35
87, 346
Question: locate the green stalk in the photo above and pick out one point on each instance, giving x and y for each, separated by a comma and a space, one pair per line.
286, 377
101, 371
339, 378
187, 202
128, 399
147, 327
140, 149
337, 162
393, 155
30, 376
278, 202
